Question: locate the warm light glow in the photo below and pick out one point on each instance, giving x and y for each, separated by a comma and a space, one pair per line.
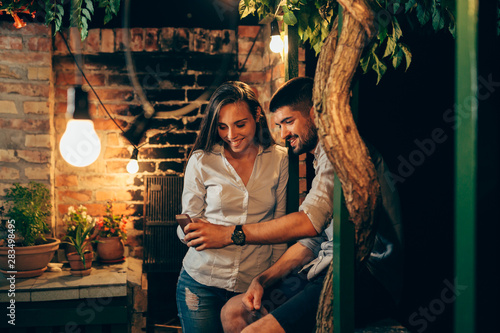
276, 44
132, 166
80, 146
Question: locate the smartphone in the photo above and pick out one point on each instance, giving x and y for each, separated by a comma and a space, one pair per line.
183, 220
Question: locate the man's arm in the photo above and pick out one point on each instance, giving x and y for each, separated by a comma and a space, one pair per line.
297, 255
281, 230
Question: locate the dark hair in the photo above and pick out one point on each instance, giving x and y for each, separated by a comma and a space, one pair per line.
228, 93
295, 93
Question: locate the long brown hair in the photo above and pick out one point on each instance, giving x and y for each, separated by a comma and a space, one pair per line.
228, 93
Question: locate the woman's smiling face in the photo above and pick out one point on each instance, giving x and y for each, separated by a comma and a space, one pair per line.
237, 127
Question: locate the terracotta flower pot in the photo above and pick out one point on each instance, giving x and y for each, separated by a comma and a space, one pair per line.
110, 249
76, 263
30, 261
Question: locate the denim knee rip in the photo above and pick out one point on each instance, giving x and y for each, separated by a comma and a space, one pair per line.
192, 300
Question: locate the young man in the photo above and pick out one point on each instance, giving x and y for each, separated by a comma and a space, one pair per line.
290, 305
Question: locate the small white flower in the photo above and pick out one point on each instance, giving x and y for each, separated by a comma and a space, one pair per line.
71, 210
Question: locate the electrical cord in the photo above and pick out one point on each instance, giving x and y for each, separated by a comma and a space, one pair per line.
93, 90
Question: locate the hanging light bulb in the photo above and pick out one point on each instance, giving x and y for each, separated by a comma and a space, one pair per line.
133, 165
79, 146
276, 44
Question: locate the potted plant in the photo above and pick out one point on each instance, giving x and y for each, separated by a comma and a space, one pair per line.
112, 232
81, 239
71, 220
25, 249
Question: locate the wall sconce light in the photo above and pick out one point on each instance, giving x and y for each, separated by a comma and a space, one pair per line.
79, 146
276, 44
133, 165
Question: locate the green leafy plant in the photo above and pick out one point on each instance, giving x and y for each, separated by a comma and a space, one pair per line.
30, 207
81, 237
52, 11
111, 225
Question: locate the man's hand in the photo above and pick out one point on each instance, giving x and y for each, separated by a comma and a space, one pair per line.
253, 297
204, 235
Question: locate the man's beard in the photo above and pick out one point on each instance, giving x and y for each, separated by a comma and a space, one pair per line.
309, 141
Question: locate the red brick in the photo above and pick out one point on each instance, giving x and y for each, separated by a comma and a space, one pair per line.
255, 77
32, 125
66, 180
11, 43
302, 170
119, 41
66, 78
32, 58
151, 40
302, 70
9, 73
80, 196
248, 31
117, 153
26, 89
107, 41
302, 185
136, 39
113, 195
39, 44
302, 54
108, 124
59, 45
113, 95
112, 139
245, 46
30, 29
34, 156
116, 166
9, 173
75, 40
93, 41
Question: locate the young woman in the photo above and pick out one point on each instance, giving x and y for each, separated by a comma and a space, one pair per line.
235, 175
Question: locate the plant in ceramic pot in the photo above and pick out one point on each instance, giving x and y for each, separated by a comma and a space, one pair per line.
25, 249
112, 233
80, 261
72, 219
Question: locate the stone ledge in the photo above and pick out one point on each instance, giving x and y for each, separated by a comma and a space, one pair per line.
103, 281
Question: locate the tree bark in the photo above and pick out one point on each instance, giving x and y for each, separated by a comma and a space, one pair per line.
337, 130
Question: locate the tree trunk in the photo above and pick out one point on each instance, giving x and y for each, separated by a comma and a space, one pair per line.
337, 130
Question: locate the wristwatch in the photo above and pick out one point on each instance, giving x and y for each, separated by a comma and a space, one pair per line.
238, 236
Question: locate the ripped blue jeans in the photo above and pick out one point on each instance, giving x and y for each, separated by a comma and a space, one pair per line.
199, 305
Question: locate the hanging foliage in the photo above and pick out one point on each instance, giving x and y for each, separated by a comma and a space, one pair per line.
53, 12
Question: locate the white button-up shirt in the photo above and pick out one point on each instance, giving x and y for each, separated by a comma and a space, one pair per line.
214, 191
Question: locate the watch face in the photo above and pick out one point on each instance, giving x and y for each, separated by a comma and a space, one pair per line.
238, 237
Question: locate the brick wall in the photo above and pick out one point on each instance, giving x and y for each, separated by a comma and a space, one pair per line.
26, 143
174, 67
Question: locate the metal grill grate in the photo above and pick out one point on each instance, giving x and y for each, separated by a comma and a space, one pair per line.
163, 252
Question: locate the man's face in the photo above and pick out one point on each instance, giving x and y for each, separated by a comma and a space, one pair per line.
296, 128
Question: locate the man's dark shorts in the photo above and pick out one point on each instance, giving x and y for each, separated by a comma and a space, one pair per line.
293, 301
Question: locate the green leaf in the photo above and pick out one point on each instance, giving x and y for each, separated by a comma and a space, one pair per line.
423, 15
390, 48
364, 62
60, 9
288, 16
397, 33
90, 5
379, 67
437, 19
409, 5
396, 58
407, 54
87, 14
